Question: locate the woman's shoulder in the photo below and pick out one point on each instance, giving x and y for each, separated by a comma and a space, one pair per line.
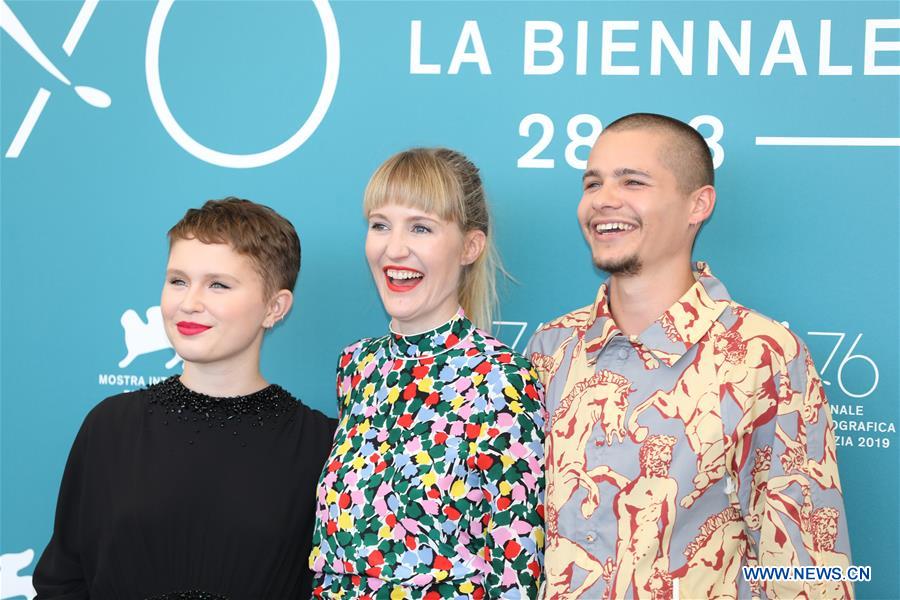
361, 348
120, 413
120, 406
508, 379
499, 354
505, 369
316, 419
365, 344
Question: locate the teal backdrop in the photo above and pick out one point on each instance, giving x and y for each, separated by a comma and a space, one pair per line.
294, 104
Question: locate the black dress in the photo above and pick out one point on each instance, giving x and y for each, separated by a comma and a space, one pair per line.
168, 493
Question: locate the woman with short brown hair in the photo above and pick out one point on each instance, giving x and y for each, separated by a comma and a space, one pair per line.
200, 487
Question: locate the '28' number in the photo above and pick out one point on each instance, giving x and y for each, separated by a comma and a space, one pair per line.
582, 131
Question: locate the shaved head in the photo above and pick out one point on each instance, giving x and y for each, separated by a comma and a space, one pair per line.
684, 151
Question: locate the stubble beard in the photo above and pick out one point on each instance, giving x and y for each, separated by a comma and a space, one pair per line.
627, 266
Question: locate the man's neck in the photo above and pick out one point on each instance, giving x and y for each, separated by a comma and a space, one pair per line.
635, 301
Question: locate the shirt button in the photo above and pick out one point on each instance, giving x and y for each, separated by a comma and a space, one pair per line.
623, 353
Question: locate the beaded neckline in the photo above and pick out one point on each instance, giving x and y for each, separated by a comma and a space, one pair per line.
189, 595
176, 403
435, 341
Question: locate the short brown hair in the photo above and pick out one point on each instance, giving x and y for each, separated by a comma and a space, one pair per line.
251, 229
686, 154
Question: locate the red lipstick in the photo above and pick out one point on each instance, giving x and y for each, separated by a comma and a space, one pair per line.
190, 328
402, 285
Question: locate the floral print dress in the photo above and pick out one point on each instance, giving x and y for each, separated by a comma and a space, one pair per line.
434, 486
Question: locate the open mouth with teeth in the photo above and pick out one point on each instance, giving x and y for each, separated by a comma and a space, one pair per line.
402, 279
606, 230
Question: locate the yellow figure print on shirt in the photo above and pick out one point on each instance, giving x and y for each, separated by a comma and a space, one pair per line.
676, 456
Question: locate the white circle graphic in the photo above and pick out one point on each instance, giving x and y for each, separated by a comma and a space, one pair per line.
258, 159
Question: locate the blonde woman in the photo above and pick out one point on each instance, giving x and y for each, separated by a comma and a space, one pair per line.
434, 487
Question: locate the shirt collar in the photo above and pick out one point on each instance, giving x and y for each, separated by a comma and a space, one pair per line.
434, 341
674, 332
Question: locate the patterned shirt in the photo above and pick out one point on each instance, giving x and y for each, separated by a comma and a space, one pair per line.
677, 456
434, 487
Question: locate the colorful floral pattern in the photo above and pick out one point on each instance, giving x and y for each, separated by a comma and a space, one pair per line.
434, 487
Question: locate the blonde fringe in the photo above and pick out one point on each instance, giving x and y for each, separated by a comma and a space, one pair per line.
445, 183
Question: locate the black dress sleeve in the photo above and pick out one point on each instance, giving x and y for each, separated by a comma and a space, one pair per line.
59, 574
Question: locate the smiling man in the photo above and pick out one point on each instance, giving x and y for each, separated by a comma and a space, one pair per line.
668, 402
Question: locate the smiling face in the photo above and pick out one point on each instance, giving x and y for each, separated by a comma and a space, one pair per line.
416, 260
633, 213
213, 304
